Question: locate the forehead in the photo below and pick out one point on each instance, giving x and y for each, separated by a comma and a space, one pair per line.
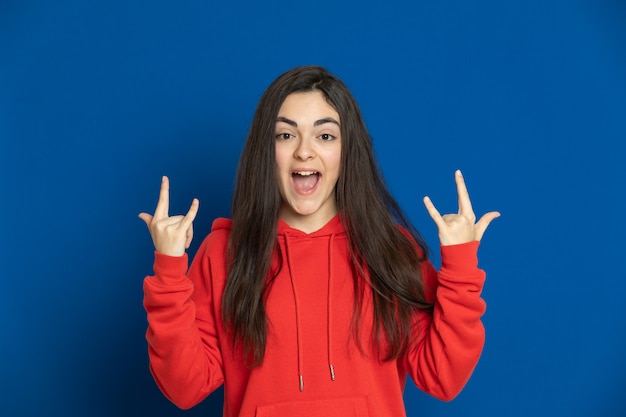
305, 106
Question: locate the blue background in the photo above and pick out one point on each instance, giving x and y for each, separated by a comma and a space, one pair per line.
99, 99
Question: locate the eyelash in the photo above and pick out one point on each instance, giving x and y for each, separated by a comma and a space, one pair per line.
281, 136
326, 137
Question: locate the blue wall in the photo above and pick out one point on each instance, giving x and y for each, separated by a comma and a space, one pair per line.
99, 99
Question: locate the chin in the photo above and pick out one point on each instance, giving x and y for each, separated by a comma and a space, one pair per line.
305, 211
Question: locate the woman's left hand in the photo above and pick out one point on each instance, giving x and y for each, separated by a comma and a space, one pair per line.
455, 229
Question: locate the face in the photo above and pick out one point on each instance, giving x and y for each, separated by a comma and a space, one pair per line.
308, 157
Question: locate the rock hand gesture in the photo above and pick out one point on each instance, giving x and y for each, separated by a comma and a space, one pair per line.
462, 227
170, 235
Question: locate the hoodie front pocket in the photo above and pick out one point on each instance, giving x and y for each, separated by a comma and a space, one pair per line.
334, 407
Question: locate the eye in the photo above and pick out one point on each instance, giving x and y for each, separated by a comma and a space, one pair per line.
327, 137
284, 136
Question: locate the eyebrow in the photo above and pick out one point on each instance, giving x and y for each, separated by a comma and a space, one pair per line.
316, 123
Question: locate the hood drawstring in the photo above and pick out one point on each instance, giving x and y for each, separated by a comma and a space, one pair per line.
295, 299
297, 306
328, 313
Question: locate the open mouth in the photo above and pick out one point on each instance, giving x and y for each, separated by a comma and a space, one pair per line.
305, 182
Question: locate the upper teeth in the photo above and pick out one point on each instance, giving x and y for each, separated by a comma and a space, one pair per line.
305, 173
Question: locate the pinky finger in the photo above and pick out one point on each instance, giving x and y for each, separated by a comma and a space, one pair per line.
187, 222
191, 214
189, 237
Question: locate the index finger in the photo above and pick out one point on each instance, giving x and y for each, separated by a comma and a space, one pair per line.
433, 212
465, 205
163, 205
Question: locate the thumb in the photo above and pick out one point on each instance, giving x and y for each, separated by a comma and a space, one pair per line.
147, 218
484, 221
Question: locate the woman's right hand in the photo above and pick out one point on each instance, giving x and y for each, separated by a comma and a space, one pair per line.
170, 235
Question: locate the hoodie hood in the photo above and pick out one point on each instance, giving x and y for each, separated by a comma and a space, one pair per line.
333, 227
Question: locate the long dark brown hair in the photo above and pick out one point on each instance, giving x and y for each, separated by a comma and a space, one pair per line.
384, 259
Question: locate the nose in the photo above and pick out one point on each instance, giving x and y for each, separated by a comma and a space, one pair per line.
304, 150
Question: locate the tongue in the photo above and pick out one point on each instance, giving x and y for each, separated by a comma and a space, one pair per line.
304, 184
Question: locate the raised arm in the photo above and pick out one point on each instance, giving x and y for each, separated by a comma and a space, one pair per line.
450, 341
183, 346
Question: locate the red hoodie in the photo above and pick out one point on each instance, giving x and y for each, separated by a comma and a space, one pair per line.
312, 365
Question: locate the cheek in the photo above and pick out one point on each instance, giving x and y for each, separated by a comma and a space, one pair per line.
283, 173
280, 159
335, 161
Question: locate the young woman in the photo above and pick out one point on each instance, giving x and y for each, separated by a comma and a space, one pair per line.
317, 298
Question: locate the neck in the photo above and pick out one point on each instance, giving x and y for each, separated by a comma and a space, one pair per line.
307, 223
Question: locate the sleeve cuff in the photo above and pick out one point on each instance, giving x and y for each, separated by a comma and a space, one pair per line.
459, 260
170, 270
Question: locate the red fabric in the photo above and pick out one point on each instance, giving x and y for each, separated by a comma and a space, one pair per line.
309, 310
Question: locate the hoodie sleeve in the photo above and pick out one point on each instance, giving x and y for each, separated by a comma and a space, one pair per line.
183, 346
449, 342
